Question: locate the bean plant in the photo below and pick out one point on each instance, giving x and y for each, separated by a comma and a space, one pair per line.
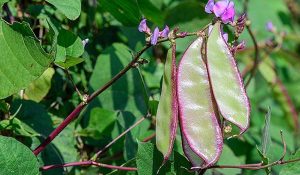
149, 87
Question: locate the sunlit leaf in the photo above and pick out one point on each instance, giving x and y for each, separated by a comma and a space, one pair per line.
70, 8
39, 88
22, 59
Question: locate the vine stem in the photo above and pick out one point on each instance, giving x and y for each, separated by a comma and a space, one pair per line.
257, 167
74, 114
256, 58
117, 138
255, 43
73, 83
87, 163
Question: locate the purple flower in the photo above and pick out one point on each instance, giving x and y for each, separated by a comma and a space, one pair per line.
220, 7
209, 6
154, 36
223, 9
270, 27
156, 33
165, 32
143, 26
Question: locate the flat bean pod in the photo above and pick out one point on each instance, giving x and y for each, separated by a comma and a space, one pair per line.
200, 127
167, 112
226, 82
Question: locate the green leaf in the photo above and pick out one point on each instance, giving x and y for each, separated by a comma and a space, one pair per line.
2, 2
65, 143
265, 160
4, 107
149, 159
167, 111
39, 88
182, 165
202, 136
70, 8
127, 93
226, 82
267, 69
68, 44
18, 127
153, 106
150, 12
125, 11
292, 168
34, 115
22, 59
16, 158
70, 62
100, 124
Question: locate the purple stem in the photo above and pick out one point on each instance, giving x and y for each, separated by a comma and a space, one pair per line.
65, 123
87, 163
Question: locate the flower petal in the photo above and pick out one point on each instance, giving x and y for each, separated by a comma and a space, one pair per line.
209, 6
143, 26
220, 7
165, 32
155, 36
228, 15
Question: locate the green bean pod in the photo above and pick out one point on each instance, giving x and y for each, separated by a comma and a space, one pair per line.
226, 82
200, 129
167, 112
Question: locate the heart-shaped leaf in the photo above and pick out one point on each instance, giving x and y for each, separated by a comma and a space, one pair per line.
22, 58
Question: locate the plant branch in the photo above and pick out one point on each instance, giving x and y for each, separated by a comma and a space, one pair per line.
74, 114
73, 84
117, 138
255, 43
149, 137
258, 166
256, 53
87, 163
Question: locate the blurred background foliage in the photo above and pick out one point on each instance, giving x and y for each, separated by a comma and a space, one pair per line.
111, 27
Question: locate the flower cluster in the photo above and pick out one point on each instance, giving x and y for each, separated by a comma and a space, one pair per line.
223, 9
156, 33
